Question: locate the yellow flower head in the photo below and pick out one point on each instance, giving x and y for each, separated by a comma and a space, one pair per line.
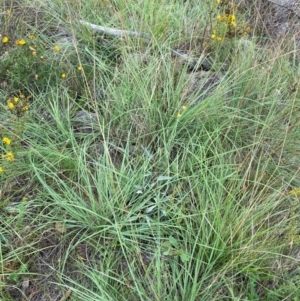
295, 191
79, 68
25, 108
63, 75
9, 157
1, 169
231, 18
5, 40
214, 36
6, 140
31, 37
222, 17
10, 104
21, 42
179, 115
56, 48
16, 99
184, 108
228, 18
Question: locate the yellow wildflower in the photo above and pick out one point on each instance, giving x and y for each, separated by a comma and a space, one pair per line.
1, 169
184, 108
31, 37
216, 37
232, 20
21, 42
229, 18
218, 1
16, 99
10, 104
63, 75
295, 191
222, 17
33, 53
9, 157
6, 140
5, 40
8, 12
179, 115
25, 108
56, 48
79, 68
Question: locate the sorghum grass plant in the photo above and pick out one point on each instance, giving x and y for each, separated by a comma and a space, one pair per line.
127, 174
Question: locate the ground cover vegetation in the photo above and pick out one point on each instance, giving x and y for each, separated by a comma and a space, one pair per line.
157, 166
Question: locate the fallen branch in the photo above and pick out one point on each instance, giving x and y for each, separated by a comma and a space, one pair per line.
202, 63
115, 32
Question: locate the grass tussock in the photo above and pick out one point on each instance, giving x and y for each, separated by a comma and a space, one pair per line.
155, 167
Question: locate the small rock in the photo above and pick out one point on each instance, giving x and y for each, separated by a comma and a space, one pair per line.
85, 122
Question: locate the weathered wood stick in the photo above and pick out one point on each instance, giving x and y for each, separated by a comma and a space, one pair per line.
192, 63
115, 32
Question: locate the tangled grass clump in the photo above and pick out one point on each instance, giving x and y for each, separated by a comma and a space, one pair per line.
127, 174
